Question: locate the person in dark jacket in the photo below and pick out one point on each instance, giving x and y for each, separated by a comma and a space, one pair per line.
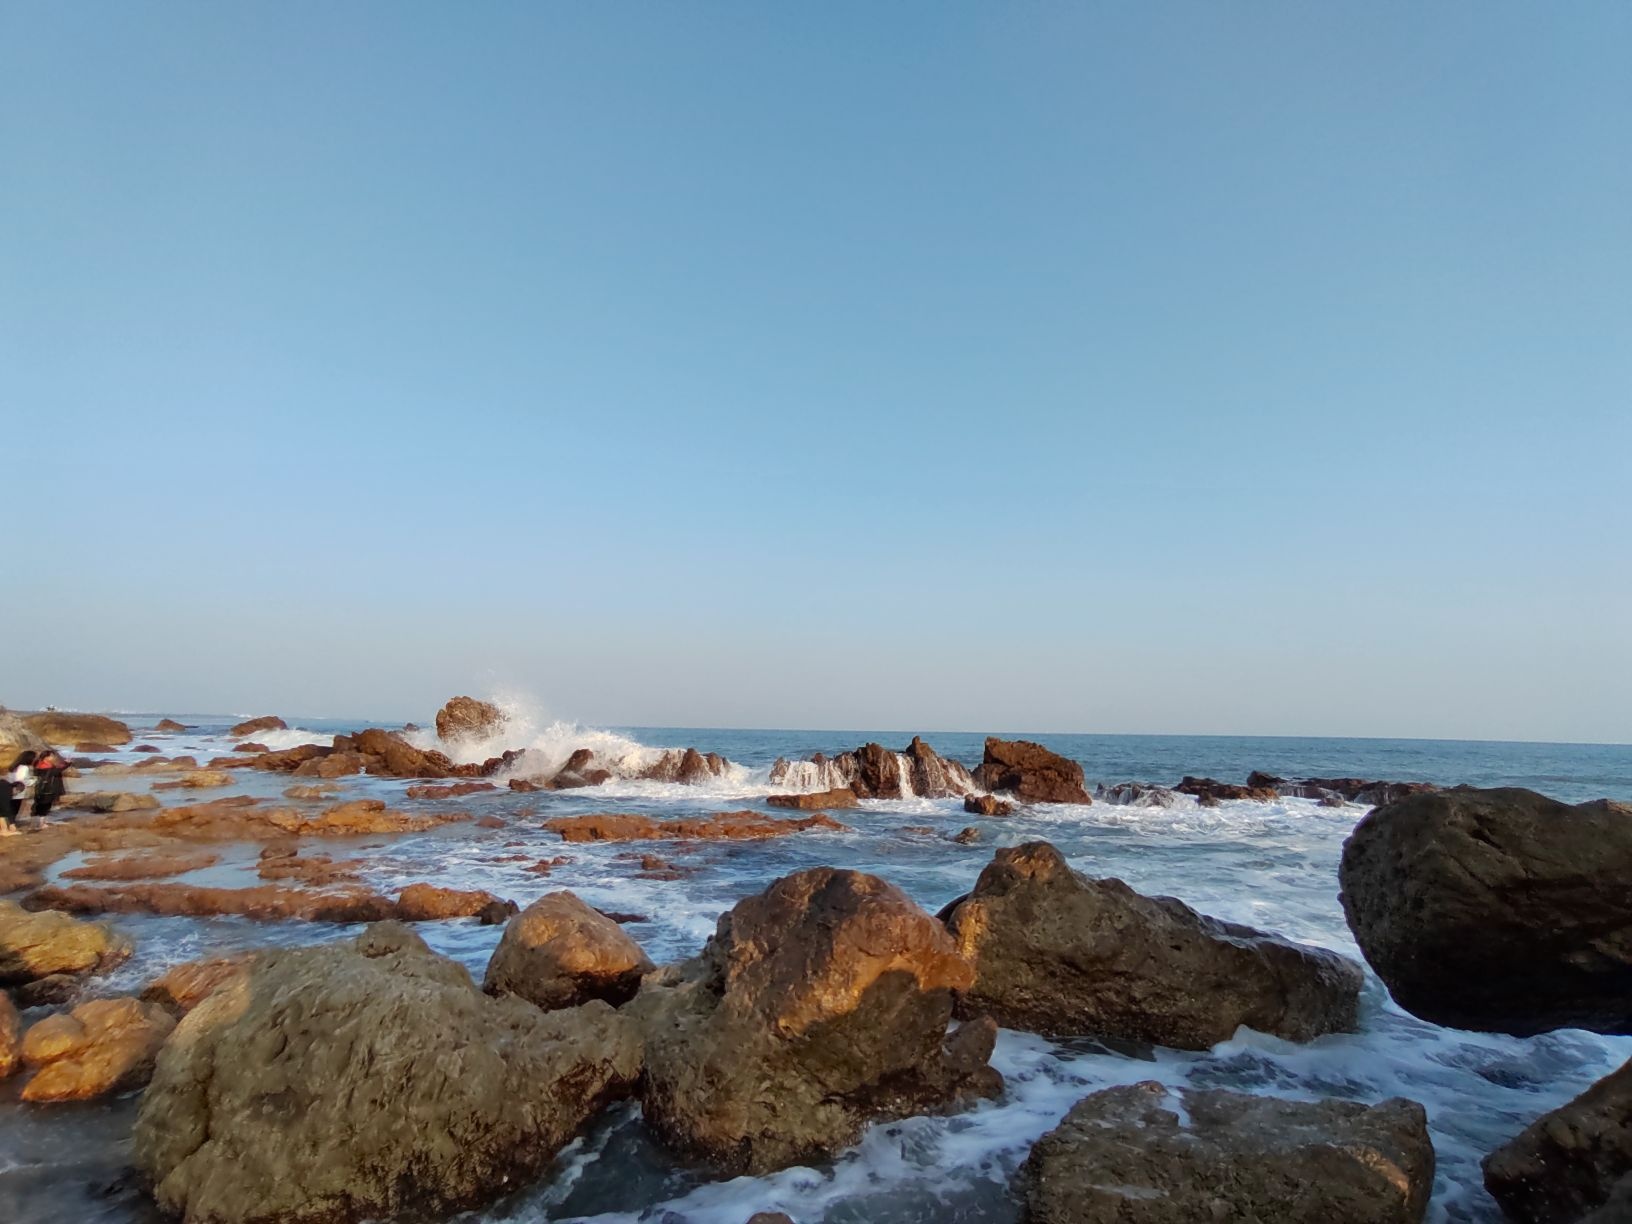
49, 786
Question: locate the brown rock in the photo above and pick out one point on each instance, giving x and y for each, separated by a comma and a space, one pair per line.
11, 1036
397, 757
183, 987
770, 1217
1064, 955
1210, 789
402, 1090
289, 760
16, 736
816, 801
726, 825
1498, 910
449, 792
967, 837
64, 729
1135, 794
1031, 773
38, 945
987, 805
101, 1047
322, 790
203, 779
250, 726
53, 990
1568, 1162
250, 746
876, 772
819, 1005
1147, 1154
560, 952
524, 786
153, 864
262, 903
317, 870
107, 801
428, 903
93, 748
467, 718
144, 748
170, 726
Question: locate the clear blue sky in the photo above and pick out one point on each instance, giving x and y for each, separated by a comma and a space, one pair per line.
1082, 367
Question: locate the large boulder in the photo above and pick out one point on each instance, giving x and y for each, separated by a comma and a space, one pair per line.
1497, 910
101, 1047
1568, 1162
397, 758
1061, 954
34, 946
1031, 773
16, 736
817, 1006
468, 718
1149, 1154
560, 952
368, 1079
64, 729
876, 772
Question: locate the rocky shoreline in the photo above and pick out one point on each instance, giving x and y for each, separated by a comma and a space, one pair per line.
824, 1003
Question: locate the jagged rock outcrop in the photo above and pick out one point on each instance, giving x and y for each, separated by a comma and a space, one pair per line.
817, 1006
101, 1047
561, 952
987, 805
1569, 1162
876, 772
1499, 910
468, 718
1209, 791
1030, 772
39, 945
1149, 1154
253, 726
1135, 794
1061, 954
399, 1089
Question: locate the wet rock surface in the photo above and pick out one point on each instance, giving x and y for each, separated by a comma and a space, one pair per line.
1030, 772
818, 1005
35, 945
1061, 954
399, 1088
99, 1048
736, 826
1147, 1154
468, 718
1497, 910
1570, 1163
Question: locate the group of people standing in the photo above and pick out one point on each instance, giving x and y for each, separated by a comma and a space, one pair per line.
35, 779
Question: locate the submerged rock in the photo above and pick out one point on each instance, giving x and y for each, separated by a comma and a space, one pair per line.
38, 945
987, 805
1031, 773
1210, 792
468, 718
560, 952
142, 865
1497, 910
1058, 953
1148, 1154
101, 1047
1569, 1162
817, 1006
368, 1079
812, 801
735, 826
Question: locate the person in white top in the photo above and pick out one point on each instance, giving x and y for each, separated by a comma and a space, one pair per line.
15, 791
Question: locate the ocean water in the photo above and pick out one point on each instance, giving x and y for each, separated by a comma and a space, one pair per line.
1271, 865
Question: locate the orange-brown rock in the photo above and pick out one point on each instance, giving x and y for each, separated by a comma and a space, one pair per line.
525, 785
967, 837
107, 801
249, 746
453, 791
428, 903
336, 765
157, 764
203, 779
468, 718
818, 1006
170, 725
490, 822
64, 729
250, 726
987, 805
282, 864
1032, 773
816, 801
615, 826
365, 816
93, 749
105, 1046
154, 864
560, 952
11, 1036
34, 945
262, 903
876, 772
687, 766
288, 760
321, 790
397, 757
183, 987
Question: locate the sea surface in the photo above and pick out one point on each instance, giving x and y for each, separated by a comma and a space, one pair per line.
1272, 865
